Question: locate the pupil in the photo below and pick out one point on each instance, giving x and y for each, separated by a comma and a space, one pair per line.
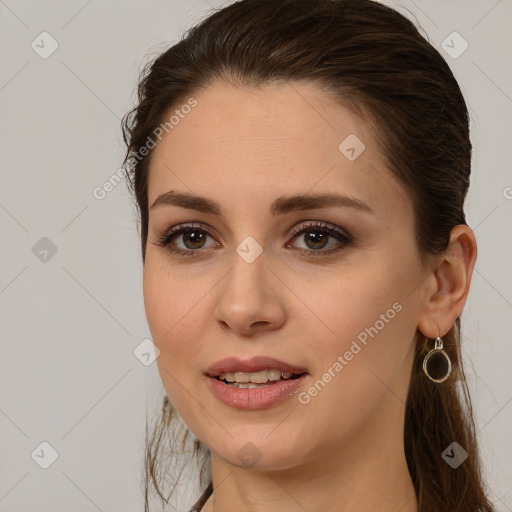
190, 236
317, 238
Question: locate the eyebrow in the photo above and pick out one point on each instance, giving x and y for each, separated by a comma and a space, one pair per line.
280, 206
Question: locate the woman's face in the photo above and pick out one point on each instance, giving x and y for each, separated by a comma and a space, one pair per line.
271, 269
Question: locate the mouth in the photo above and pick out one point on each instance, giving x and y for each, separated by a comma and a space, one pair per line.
257, 370
255, 383
252, 380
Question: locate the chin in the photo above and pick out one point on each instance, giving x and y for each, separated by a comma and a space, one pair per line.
256, 451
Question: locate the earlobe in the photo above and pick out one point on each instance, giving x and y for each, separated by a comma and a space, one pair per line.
452, 280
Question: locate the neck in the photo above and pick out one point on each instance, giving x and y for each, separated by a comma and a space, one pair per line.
368, 473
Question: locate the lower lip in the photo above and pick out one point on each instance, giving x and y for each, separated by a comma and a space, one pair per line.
255, 398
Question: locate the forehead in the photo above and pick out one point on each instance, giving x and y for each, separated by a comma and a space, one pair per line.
279, 120
248, 144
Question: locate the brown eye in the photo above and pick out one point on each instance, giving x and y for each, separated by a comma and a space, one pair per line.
186, 239
321, 238
193, 239
316, 239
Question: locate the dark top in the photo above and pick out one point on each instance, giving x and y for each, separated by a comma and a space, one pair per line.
198, 505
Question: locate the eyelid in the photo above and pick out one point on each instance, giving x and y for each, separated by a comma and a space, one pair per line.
177, 230
302, 227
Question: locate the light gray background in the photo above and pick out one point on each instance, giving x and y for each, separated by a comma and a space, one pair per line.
68, 374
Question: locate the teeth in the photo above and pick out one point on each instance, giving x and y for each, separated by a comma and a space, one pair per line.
255, 377
274, 375
245, 385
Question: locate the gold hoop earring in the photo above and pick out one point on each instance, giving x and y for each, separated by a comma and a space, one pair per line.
437, 365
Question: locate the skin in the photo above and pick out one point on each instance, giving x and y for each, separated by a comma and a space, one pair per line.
244, 147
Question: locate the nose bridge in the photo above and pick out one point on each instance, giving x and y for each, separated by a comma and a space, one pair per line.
249, 266
249, 250
246, 298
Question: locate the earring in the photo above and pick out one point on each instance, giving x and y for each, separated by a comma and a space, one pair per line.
437, 365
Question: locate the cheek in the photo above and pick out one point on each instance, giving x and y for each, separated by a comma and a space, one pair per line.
157, 301
174, 307
357, 299
366, 330
166, 297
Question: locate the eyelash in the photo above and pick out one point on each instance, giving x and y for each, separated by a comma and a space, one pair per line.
316, 226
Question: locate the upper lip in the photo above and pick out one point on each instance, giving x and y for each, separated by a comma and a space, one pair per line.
254, 364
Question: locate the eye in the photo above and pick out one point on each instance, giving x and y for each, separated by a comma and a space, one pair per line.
185, 239
318, 237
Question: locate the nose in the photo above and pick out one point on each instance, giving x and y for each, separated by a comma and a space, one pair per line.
247, 303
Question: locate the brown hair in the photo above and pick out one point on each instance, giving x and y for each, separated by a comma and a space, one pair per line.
374, 60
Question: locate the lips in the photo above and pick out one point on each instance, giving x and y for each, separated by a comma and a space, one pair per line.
255, 364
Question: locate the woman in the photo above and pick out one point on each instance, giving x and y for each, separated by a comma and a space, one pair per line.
300, 169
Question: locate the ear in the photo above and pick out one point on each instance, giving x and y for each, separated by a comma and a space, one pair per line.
447, 287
